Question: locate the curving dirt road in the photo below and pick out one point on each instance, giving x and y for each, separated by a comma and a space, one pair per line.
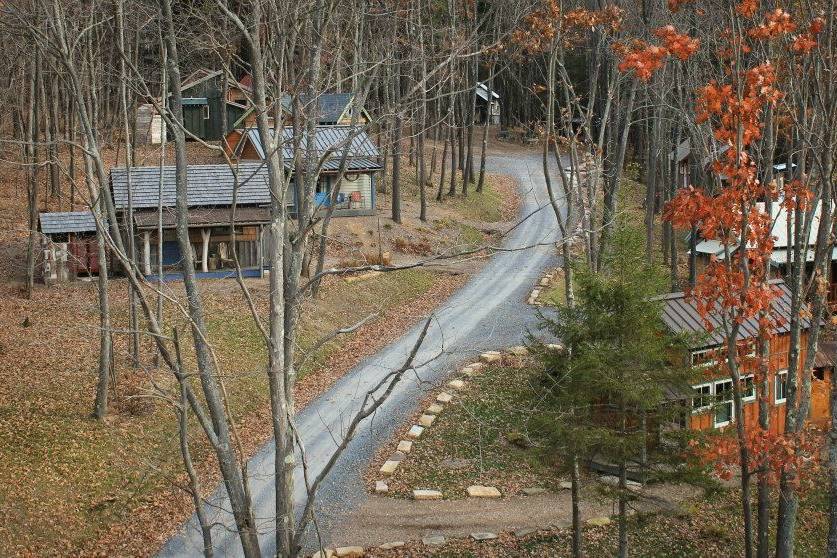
489, 312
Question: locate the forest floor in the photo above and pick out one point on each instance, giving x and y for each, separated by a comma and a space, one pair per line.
72, 485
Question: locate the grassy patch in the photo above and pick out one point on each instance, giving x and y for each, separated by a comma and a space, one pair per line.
479, 206
484, 438
555, 294
486, 206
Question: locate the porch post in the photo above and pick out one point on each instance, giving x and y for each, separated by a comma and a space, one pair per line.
146, 252
259, 254
205, 254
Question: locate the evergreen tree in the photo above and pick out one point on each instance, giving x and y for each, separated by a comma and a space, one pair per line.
609, 391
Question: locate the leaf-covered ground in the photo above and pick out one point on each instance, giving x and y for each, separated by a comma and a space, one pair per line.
68, 480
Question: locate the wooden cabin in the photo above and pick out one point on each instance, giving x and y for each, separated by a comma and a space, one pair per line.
356, 194
487, 105
204, 105
711, 405
211, 191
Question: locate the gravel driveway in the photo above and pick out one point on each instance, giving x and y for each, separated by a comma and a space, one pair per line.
489, 312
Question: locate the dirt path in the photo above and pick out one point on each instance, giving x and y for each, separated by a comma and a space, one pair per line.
379, 519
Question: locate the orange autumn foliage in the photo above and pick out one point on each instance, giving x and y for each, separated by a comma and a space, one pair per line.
776, 23
644, 59
549, 23
771, 452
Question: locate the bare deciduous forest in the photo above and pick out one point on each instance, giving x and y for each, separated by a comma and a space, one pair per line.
242, 242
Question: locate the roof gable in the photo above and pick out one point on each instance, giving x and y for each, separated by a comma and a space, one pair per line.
336, 138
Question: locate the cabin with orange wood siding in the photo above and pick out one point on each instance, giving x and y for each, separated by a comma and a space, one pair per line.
710, 405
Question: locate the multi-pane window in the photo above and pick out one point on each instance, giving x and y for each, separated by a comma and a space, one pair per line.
748, 388
723, 404
781, 388
704, 398
704, 357
718, 396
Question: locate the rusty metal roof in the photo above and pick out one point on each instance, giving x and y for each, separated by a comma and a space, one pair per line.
680, 315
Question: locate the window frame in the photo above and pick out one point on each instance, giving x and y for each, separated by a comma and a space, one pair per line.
748, 398
205, 111
719, 402
710, 395
776, 398
706, 364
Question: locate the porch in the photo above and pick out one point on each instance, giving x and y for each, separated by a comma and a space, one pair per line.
215, 246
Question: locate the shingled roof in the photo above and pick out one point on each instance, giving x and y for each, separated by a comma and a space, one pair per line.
361, 152
207, 186
680, 315
62, 222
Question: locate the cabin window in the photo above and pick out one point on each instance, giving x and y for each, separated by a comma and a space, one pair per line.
704, 398
781, 387
748, 388
205, 112
705, 357
723, 406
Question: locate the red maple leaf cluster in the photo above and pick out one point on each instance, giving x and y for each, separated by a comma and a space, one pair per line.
806, 42
776, 23
677, 44
643, 59
770, 451
550, 23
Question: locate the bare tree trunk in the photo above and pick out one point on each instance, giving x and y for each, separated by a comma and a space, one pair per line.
32, 174
235, 480
832, 471
185, 454
613, 181
440, 191
481, 180
133, 323
578, 537
396, 166
100, 408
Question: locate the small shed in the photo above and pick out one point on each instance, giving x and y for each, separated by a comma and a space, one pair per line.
69, 245
488, 104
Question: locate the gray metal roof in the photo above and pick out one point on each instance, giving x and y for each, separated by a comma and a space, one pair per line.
680, 315
207, 186
59, 222
326, 137
355, 164
330, 106
482, 92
